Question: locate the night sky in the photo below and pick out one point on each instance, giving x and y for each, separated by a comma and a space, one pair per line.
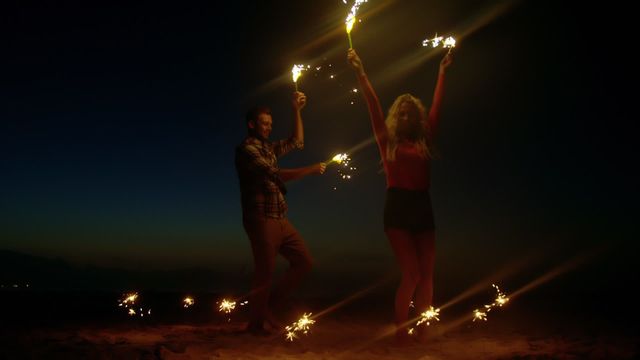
118, 125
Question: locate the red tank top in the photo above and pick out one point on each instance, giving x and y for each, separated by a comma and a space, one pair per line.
409, 170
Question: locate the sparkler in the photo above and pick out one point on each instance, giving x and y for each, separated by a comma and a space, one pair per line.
426, 317
351, 19
302, 325
296, 72
345, 171
448, 43
188, 301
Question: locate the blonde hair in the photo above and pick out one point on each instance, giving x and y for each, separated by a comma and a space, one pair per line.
423, 138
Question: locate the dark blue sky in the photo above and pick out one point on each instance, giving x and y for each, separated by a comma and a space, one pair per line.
119, 122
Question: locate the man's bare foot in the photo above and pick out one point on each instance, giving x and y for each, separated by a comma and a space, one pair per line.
257, 329
273, 322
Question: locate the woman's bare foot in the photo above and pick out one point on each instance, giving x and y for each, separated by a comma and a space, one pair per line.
402, 338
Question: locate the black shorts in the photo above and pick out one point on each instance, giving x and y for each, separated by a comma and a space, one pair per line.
408, 210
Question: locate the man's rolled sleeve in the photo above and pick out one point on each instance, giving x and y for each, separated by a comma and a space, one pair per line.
282, 147
257, 163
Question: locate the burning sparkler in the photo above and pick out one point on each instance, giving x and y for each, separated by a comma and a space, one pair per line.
448, 43
346, 170
351, 19
296, 72
339, 158
188, 301
302, 325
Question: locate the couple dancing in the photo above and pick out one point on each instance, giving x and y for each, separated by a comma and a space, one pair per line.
404, 139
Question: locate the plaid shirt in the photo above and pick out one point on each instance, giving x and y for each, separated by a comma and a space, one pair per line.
261, 188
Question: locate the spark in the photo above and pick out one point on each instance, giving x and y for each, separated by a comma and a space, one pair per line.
479, 315
499, 301
128, 299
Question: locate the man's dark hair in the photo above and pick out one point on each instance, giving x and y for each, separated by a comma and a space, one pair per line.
252, 115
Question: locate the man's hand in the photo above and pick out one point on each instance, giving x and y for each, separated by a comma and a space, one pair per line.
299, 100
319, 168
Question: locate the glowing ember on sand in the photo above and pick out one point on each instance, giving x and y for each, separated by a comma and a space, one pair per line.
428, 316
188, 301
302, 325
128, 299
500, 300
226, 306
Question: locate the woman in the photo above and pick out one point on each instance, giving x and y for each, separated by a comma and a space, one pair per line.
404, 140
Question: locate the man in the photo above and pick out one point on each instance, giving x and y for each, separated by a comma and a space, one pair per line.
264, 211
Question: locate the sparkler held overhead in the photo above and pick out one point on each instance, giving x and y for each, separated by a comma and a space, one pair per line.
448, 43
351, 19
296, 72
